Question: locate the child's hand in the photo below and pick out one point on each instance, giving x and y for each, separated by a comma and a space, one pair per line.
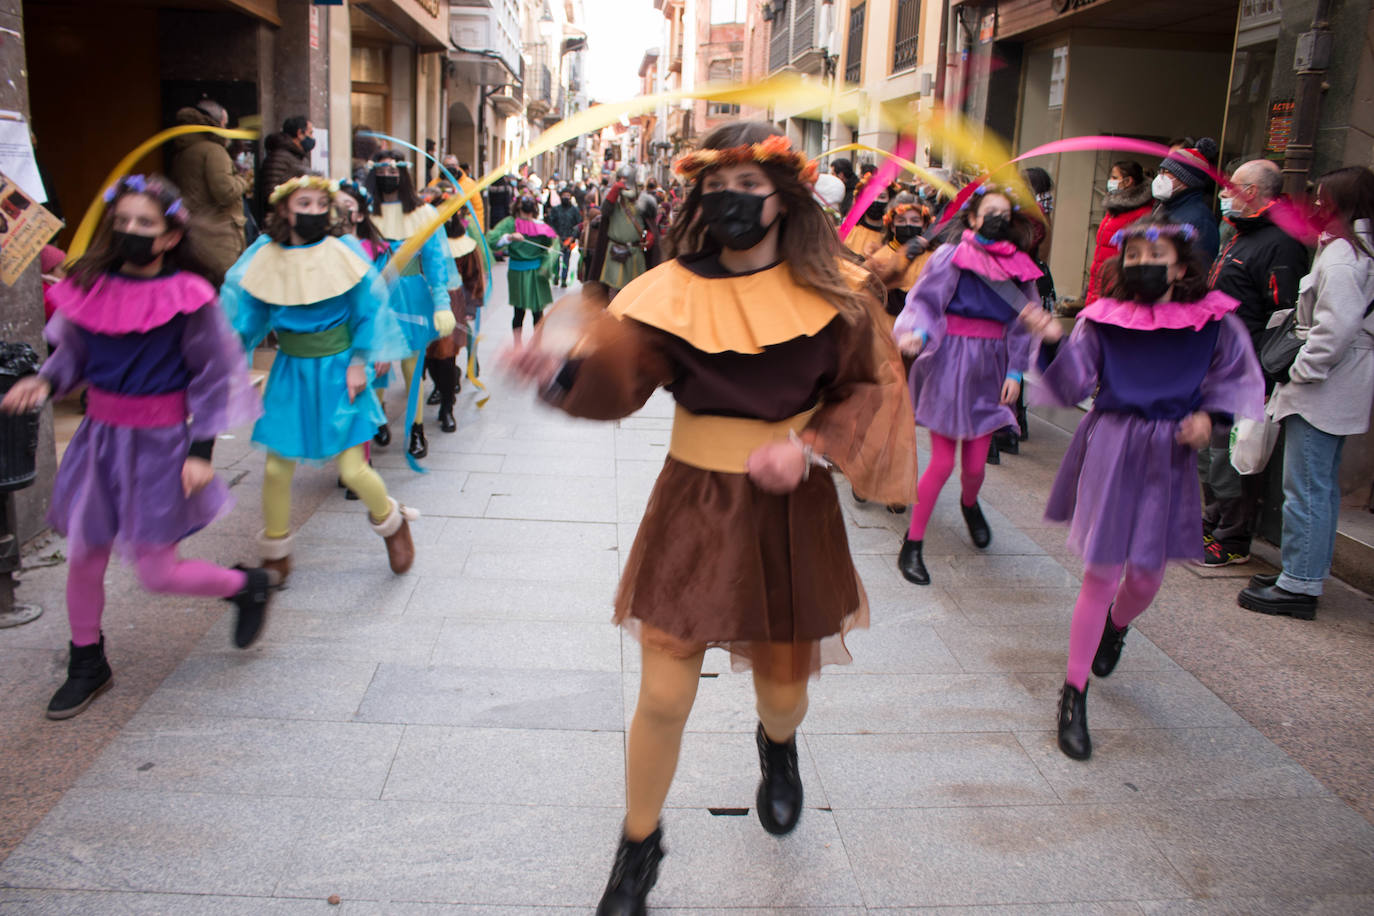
777, 467
357, 381
1011, 390
1195, 430
910, 344
381, 368
1041, 323
29, 393
196, 474
531, 364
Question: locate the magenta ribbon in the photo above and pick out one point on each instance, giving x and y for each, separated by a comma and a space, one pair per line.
906, 147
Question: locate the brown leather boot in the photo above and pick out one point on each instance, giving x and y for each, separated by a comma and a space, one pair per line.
395, 530
276, 555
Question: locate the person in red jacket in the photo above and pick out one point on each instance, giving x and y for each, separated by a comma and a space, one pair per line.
1128, 199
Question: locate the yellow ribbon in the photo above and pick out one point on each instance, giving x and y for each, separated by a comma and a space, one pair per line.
82, 239
929, 177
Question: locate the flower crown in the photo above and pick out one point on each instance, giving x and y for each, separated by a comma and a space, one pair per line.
153, 187
1154, 232
357, 190
302, 183
987, 188
891, 215
776, 150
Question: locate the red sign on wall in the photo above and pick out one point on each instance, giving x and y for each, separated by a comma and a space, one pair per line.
1280, 126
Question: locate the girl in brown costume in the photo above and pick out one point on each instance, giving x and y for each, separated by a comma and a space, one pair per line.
769, 338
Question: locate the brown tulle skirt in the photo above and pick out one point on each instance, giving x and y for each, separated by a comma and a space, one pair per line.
720, 563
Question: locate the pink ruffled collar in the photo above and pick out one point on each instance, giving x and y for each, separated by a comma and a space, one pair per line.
1141, 316
996, 261
528, 227
125, 305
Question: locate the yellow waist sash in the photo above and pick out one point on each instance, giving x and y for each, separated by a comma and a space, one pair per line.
723, 443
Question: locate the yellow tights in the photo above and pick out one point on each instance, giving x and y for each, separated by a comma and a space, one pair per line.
353, 471
667, 690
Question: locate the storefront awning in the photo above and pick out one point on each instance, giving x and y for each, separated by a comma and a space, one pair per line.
265, 10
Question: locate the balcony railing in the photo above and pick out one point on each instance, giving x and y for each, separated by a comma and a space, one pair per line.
905, 47
854, 45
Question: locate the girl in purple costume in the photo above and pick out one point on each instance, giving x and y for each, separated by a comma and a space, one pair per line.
142, 328
961, 318
1164, 355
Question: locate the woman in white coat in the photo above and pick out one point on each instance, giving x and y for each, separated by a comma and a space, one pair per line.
1328, 396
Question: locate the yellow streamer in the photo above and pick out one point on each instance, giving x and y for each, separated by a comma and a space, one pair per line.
82, 239
930, 178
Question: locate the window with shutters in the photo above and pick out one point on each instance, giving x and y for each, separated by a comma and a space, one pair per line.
803, 27
904, 46
780, 39
854, 45
724, 70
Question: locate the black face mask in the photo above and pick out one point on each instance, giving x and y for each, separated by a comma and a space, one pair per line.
1146, 282
134, 249
566, 201
876, 210
311, 227
995, 228
734, 218
388, 184
307, 144
904, 234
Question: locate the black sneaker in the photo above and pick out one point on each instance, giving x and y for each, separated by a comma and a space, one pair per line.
1216, 555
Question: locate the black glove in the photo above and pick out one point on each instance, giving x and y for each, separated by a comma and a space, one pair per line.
917, 247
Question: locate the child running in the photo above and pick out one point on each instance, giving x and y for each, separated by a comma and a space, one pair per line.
137, 322
1163, 356
534, 251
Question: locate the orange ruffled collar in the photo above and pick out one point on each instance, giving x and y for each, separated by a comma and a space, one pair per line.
740, 314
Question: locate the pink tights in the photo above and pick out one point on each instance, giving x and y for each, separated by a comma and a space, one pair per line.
1104, 588
159, 569
972, 469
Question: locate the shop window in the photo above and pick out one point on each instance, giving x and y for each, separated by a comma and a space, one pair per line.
370, 68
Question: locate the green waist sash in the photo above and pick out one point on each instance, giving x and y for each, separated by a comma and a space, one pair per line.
315, 344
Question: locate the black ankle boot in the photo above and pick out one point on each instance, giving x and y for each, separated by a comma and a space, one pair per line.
978, 529
994, 456
382, 438
419, 445
251, 601
1073, 723
1109, 649
780, 790
632, 876
88, 676
433, 398
909, 562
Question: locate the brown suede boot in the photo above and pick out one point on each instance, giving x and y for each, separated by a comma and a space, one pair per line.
395, 530
276, 555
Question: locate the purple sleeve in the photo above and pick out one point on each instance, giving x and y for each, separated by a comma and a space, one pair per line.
221, 394
926, 303
1072, 375
1019, 338
1234, 383
66, 367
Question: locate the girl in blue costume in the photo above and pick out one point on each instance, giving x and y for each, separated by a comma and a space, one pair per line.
420, 297
328, 307
137, 321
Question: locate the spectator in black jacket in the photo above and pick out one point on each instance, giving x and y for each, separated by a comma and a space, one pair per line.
1184, 188
564, 219
1260, 267
288, 155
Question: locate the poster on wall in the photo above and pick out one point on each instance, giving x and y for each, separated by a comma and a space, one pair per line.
319, 156
25, 227
16, 155
1280, 126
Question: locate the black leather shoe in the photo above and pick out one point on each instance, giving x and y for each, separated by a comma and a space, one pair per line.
632, 876
1023, 421
1109, 649
978, 529
1264, 580
419, 445
251, 601
897, 508
1274, 600
382, 438
910, 564
994, 456
1073, 723
446, 422
433, 399
780, 790
88, 676
859, 499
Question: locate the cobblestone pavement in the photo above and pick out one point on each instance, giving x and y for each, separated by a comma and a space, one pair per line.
453, 740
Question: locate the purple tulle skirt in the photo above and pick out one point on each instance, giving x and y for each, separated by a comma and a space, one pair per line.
956, 388
122, 486
1129, 492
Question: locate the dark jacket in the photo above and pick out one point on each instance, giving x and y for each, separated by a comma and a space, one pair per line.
212, 189
285, 160
564, 219
1193, 207
1123, 208
498, 202
1260, 267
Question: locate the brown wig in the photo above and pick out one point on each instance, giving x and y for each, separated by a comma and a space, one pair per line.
900, 204
1347, 195
1191, 287
406, 193
1022, 231
806, 235
101, 258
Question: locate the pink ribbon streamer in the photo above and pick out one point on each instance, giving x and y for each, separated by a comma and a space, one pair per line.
887, 172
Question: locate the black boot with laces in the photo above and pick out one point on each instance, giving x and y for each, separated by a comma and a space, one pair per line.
632, 876
780, 791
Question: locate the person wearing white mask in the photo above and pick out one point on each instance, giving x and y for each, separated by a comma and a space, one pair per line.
1183, 188
1128, 200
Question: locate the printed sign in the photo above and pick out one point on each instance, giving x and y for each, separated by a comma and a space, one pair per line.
25, 227
1280, 126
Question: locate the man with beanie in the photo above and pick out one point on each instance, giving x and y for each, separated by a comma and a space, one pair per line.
1184, 190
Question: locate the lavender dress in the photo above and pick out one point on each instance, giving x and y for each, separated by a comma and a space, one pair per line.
956, 382
1127, 488
133, 338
